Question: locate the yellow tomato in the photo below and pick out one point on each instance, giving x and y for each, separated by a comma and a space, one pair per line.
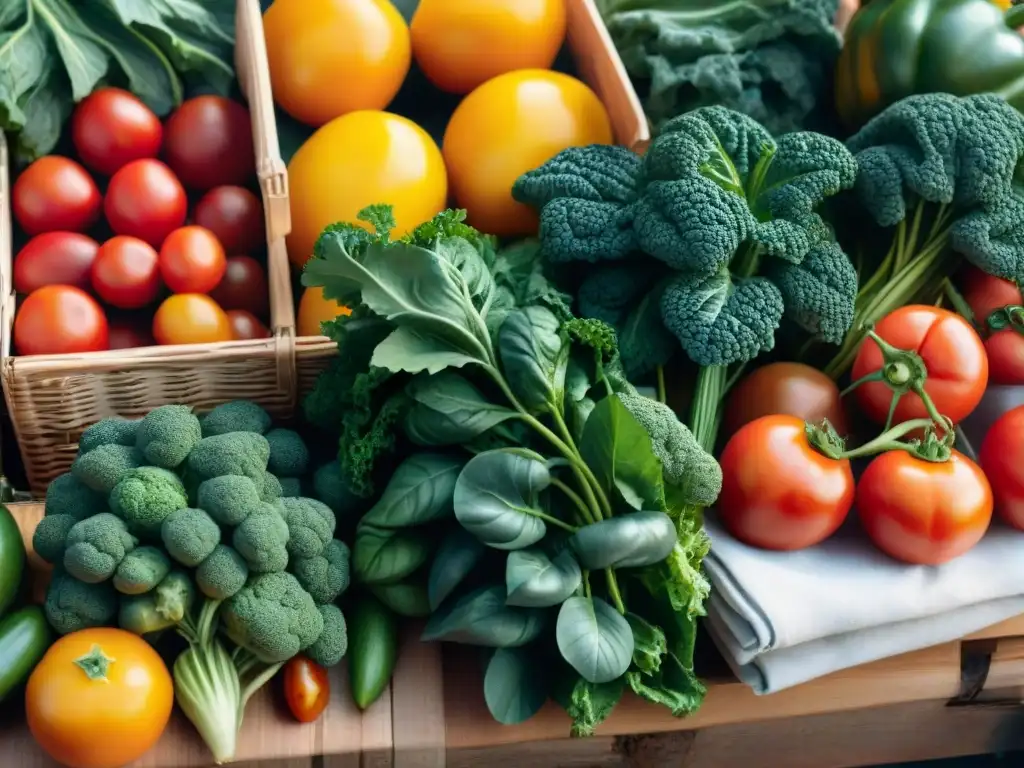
191, 318
358, 160
510, 125
315, 309
331, 57
460, 44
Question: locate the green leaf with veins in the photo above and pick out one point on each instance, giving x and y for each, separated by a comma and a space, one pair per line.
406, 599
649, 644
459, 553
513, 690
588, 704
449, 410
673, 686
482, 618
386, 556
535, 580
632, 540
594, 638
534, 357
420, 491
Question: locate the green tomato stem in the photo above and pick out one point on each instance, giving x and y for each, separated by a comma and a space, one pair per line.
95, 664
613, 590
889, 440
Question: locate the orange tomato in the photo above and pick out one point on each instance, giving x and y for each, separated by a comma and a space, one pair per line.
99, 698
358, 160
315, 309
510, 125
331, 57
307, 689
191, 318
460, 44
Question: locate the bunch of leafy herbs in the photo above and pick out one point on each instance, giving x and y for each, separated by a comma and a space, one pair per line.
523, 436
54, 53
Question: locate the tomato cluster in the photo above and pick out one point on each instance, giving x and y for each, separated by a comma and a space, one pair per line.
119, 238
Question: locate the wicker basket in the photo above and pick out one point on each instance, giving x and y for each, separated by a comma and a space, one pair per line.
52, 398
598, 64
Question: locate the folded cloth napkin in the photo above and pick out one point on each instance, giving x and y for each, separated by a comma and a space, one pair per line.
783, 618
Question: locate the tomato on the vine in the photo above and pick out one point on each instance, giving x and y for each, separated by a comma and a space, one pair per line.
985, 294
145, 200
1002, 458
192, 260
234, 215
55, 258
125, 273
792, 389
59, 319
111, 127
208, 142
307, 689
190, 318
243, 286
245, 325
55, 193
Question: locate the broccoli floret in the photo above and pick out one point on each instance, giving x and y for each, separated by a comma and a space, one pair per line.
189, 535
162, 608
228, 499
262, 539
291, 487
50, 537
311, 525
110, 431
72, 605
141, 570
329, 486
273, 617
96, 546
332, 644
222, 574
105, 466
67, 495
289, 456
167, 435
325, 576
236, 416
234, 453
270, 487
145, 497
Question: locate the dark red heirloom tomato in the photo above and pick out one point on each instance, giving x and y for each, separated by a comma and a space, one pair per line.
55, 194
1002, 459
111, 127
245, 325
55, 258
234, 215
125, 273
243, 286
145, 200
208, 142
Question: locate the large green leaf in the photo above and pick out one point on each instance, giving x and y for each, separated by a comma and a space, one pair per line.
513, 689
457, 556
534, 357
594, 639
449, 410
482, 618
496, 499
626, 541
534, 580
408, 350
406, 599
420, 491
386, 556
674, 686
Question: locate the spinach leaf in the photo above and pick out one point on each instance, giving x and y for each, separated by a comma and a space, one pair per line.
386, 556
482, 618
594, 638
588, 704
449, 410
534, 580
420, 491
649, 643
405, 599
513, 690
458, 555
534, 357
674, 686
626, 541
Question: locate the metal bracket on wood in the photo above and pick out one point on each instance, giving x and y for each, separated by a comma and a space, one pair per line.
975, 664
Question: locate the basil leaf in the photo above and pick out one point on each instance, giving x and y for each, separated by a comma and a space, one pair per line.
482, 618
513, 690
409, 600
649, 643
385, 556
458, 555
626, 541
534, 580
534, 357
495, 499
420, 491
594, 639
449, 410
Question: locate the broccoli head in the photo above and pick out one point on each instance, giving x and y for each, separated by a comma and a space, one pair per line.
105, 466
262, 539
270, 487
329, 486
160, 609
228, 499
330, 647
189, 535
96, 546
67, 495
291, 487
221, 574
236, 416
289, 456
272, 617
72, 605
234, 453
311, 525
50, 537
141, 570
113, 430
167, 435
145, 497
325, 576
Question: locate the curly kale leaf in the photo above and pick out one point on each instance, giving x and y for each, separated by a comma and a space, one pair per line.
819, 293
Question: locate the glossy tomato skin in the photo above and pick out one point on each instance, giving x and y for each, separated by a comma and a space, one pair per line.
313, 45
792, 389
192, 260
59, 319
985, 294
1002, 459
55, 194
243, 286
125, 273
55, 258
508, 126
951, 350
307, 689
245, 325
83, 722
922, 512
234, 215
208, 143
778, 492
145, 200
111, 127
191, 318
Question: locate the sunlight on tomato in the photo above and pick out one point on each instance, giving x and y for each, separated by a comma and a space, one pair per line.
307, 689
510, 125
358, 160
460, 44
191, 318
58, 320
315, 309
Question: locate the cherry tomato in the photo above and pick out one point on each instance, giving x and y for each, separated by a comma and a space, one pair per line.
208, 142
190, 318
53, 258
54, 194
145, 200
192, 260
245, 325
1002, 459
244, 286
985, 294
794, 389
778, 492
951, 350
234, 215
111, 127
125, 273
307, 689
130, 331
59, 319
924, 512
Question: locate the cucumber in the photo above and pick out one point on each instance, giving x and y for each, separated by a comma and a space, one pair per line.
24, 638
12, 559
372, 649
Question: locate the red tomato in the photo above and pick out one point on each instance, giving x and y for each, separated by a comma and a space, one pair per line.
111, 127
794, 389
1002, 459
55, 193
52, 258
985, 294
57, 320
190, 318
307, 689
924, 512
130, 332
234, 215
245, 325
208, 142
951, 350
778, 492
244, 286
145, 200
1005, 350
125, 273
192, 260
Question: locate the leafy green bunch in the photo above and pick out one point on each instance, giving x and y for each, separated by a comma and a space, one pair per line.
525, 438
